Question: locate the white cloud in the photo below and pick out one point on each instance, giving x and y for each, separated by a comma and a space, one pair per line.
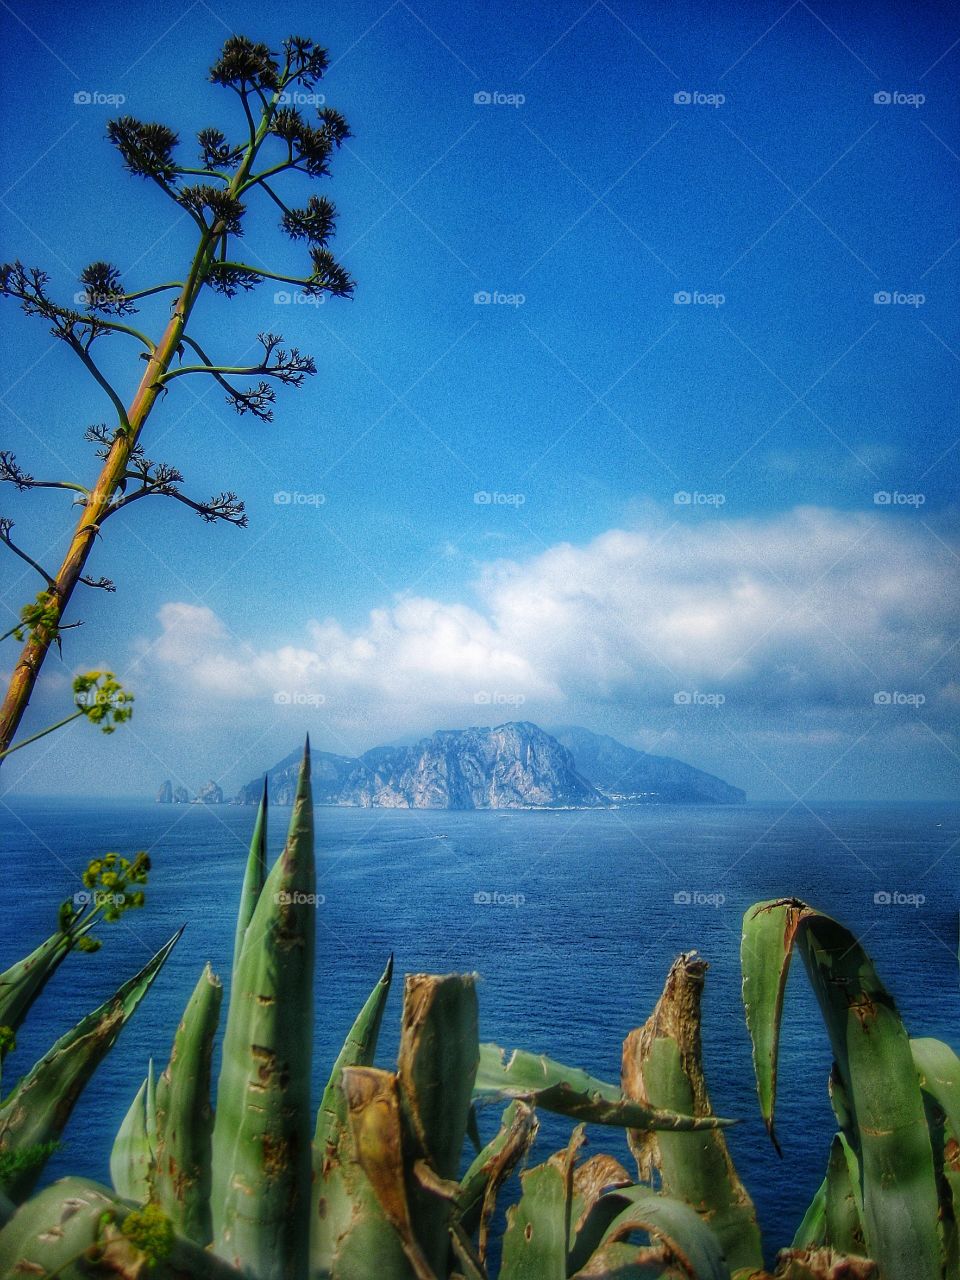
809, 609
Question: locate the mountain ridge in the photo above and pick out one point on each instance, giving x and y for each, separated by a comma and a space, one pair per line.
515, 765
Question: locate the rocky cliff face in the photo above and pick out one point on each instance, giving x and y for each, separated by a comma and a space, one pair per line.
210, 794
628, 776
165, 794
511, 766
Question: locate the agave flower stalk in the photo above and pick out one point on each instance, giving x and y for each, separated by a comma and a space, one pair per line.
228, 176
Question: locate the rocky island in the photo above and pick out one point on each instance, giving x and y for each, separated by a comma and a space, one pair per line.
208, 794
510, 766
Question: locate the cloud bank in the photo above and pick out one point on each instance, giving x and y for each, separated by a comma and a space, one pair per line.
797, 621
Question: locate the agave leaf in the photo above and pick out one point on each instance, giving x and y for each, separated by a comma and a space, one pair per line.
254, 876
359, 1050
336, 1186
437, 1063
591, 1209
133, 1155
51, 1233
376, 1124
260, 1195
835, 1216
436, 1067
37, 1110
693, 1246
663, 1068
766, 950
812, 1231
477, 1195
844, 1201
572, 1092
939, 1072
536, 1241
22, 983
184, 1116
875, 1066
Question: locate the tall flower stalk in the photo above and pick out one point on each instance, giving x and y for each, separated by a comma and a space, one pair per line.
279, 140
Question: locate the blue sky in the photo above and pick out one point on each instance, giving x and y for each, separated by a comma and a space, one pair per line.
782, 198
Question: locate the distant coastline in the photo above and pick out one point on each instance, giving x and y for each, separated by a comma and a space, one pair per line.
516, 765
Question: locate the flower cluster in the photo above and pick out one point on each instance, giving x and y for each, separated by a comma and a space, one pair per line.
101, 697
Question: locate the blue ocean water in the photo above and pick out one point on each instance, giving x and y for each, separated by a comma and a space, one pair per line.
570, 918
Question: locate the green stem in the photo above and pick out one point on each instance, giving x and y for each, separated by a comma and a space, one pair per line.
271, 275
206, 173
250, 372
114, 327
59, 484
145, 293
25, 742
99, 377
267, 173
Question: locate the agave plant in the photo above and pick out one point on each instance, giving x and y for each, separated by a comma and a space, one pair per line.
386, 1189
34, 1114
891, 1191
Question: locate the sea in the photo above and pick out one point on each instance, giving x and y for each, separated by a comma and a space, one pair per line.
571, 919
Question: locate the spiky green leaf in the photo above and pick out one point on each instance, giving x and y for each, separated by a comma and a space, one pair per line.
337, 1188
260, 1195
571, 1092
184, 1116
39, 1107
133, 1155
663, 1068
875, 1066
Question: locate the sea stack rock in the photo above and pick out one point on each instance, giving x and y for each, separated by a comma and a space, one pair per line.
165, 794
